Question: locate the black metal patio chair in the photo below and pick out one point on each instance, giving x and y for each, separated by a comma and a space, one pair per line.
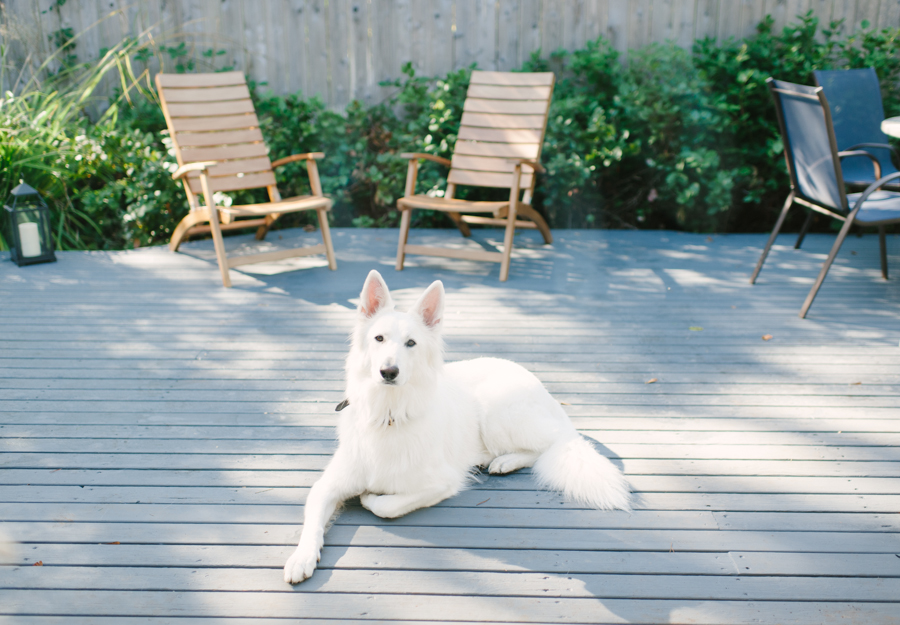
854, 99
814, 165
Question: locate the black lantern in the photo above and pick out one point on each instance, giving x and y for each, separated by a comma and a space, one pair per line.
28, 229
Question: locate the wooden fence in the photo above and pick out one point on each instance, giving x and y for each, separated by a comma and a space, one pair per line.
342, 49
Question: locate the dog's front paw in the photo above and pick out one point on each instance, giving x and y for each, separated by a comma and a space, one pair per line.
379, 505
300, 565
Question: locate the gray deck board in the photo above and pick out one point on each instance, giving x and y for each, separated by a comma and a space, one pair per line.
159, 434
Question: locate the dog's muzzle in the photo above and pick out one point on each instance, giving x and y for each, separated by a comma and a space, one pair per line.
389, 374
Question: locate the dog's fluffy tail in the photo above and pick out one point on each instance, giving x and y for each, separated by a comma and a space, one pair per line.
573, 466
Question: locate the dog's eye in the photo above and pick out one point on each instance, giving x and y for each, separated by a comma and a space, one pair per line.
379, 338
410, 343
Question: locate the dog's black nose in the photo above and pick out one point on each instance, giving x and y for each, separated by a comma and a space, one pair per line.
390, 373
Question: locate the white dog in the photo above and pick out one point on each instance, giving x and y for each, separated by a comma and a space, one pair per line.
414, 429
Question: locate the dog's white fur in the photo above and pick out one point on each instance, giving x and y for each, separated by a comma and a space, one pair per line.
414, 441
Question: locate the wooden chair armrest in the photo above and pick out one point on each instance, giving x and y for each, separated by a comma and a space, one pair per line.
428, 157
189, 167
869, 155
527, 161
297, 157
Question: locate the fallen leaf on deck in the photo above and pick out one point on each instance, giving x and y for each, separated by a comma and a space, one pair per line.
651, 381
115, 542
565, 403
855, 383
767, 337
38, 563
481, 502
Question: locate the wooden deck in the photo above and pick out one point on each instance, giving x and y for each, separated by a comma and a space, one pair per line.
160, 433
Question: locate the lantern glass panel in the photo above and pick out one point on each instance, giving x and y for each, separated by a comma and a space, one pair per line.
28, 228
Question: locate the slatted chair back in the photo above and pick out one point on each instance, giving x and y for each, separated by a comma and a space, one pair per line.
504, 117
211, 118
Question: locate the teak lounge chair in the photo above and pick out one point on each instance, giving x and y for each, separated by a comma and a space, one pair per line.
219, 147
498, 145
814, 166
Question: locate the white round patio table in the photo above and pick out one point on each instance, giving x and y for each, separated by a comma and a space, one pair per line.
891, 126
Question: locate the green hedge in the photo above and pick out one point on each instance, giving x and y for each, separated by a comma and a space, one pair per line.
673, 139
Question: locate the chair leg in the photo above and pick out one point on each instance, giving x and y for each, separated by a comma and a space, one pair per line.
784, 211
184, 226
528, 212
804, 229
508, 238
463, 226
882, 240
263, 230
831, 256
326, 238
405, 218
215, 229
220, 247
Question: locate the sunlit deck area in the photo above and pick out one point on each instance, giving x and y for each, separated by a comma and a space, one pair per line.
159, 434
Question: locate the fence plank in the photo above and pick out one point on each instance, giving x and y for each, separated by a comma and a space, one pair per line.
552, 27
867, 10
823, 9
639, 21
662, 26
229, 35
507, 53
531, 31
361, 86
575, 24
683, 14
728, 18
475, 34
318, 50
752, 13
598, 13
705, 19
890, 14
298, 47
438, 20
385, 59
845, 11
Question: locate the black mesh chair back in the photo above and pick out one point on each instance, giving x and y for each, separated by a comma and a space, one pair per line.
809, 145
814, 164
854, 97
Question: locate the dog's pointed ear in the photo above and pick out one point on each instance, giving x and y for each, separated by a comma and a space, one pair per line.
430, 306
375, 295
